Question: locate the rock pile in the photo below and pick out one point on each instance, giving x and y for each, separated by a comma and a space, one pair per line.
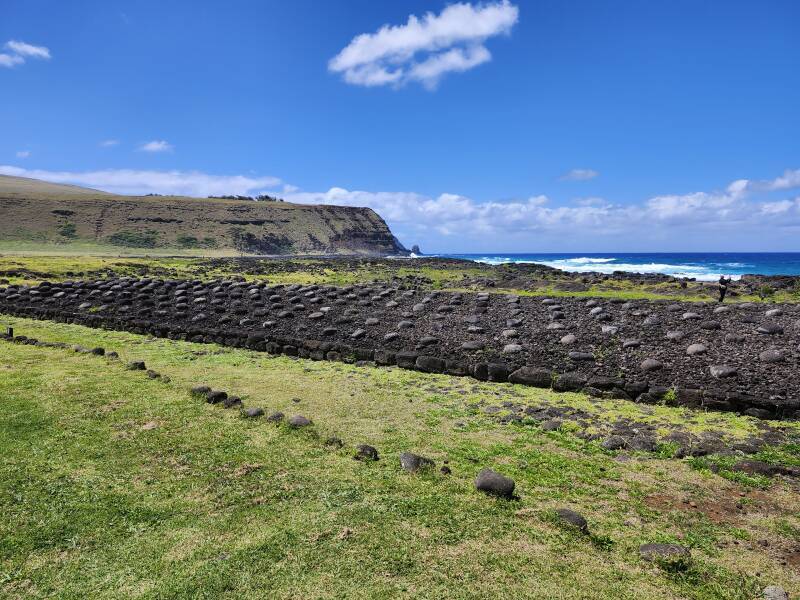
743, 358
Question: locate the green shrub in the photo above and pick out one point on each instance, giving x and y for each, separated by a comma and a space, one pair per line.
134, 239
67, 230
190, 241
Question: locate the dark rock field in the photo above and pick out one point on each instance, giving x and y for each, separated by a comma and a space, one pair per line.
737, 357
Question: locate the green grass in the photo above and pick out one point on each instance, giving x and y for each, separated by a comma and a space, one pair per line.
113, 485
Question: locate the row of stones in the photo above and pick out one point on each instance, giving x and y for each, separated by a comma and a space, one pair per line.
173, 294
600, 386
487, 480
623, 435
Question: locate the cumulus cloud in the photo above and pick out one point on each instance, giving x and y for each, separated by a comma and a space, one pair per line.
453, 214
23, 154
579, 175
18, 52
178, 183
156, 146
730, 216
789, 180
424, 50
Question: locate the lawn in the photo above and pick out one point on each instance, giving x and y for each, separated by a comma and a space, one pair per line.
116, 485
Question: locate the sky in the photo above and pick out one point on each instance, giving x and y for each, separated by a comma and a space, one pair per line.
502, 126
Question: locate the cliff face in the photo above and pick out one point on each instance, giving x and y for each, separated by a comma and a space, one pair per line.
48, 214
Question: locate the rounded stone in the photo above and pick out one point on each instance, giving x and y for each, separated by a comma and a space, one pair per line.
216, 396
492, 482
696, 349
771, 356
366, 452
613, 442
414, 462
775, 592
568, 339
232, 402
512, 349
299, 421
722, 371
770, 329
275, 417
253, 412
572, 519
472, 345
651, 364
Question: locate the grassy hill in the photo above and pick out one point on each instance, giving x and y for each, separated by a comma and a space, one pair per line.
41, 215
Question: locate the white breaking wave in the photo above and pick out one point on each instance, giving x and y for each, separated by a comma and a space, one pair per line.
584, 260
608, 266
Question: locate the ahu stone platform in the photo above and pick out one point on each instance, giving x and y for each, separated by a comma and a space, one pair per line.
737, 357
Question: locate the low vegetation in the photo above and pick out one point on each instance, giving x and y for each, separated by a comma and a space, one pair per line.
115, 484
29, 266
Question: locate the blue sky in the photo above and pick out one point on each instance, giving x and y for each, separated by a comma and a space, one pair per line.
552, 126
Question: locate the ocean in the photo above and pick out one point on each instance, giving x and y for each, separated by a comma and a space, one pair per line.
703, 266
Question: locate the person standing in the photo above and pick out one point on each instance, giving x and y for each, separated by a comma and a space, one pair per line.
723, 287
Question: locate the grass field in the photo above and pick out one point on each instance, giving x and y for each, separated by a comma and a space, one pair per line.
115, 485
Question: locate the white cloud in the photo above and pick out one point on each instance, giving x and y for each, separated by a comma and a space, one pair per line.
579, 175
727, 218
156, 146
108, 143
452, 41
27, 50
780, 207
790, 179
178, 183
23, 154
19, 51
10, 60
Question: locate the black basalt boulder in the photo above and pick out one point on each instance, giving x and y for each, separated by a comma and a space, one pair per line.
495, 484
